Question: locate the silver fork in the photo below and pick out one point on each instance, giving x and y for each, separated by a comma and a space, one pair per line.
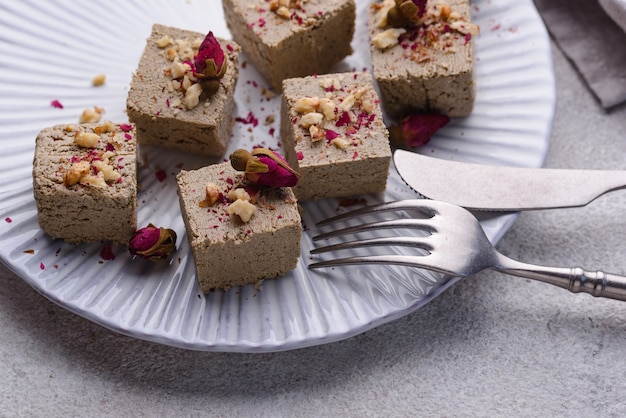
456, 245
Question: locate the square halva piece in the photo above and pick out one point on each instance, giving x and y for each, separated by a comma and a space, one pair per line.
334, 135
425, 66
239, 234
164, 100
292, 38
85, 182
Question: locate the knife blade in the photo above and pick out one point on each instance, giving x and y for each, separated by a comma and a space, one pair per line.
486, 187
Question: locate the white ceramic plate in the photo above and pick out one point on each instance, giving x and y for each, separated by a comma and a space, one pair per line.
52, 50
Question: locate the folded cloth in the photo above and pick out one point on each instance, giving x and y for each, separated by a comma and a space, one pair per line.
593, 41
617, 10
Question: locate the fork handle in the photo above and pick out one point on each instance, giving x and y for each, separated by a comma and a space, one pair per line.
576, 280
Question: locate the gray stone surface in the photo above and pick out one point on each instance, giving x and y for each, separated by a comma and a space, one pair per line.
490, 346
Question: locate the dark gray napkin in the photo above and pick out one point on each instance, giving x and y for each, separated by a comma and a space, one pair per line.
593, 42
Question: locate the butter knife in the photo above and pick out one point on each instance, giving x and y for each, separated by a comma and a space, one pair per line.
486, 187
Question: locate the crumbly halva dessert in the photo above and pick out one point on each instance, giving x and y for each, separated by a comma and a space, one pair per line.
334, 135
239, 233
169, 101
292, 38
85, 182
422, 55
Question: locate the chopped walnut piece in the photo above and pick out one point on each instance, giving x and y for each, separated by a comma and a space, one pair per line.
268, 94
91, 115
283, 12
179, 69
445, 11
347, 103
309, 119
212, 195
238, 193
164, 41
243, 209
106, 127
192, 96
93, 180
171, 54
327, 83
76, 172
306, 105
316, 133
340, 143
108, 171
196, 43
99, 80
327, 107
367, 105
465, 27
388, 38
86, 139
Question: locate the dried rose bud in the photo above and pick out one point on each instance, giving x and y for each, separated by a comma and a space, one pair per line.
153, 243
406, 12
264, 167
416, 130
210, 63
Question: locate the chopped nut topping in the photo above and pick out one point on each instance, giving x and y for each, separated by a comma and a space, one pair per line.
340, 143
309, 119
445, 12
268, 94
465, 27
367, 105
347, 103
106, 127
427, 24
348, 108
192, 96
238, 194
164, 41
327, 83
243, 209
327, 107
179, 69
196, 43
306, 105
99, 80
93, 180
212, 195
108, 171
95, 167
283, 12
316, 133
171, 54
76, 172
388, 38
91, 115
86, 139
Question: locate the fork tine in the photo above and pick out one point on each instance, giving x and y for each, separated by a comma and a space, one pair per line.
396, 223
400, 260
404, 260
415, 242
415, 204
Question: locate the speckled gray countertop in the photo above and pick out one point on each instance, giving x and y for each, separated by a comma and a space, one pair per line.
492, 345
